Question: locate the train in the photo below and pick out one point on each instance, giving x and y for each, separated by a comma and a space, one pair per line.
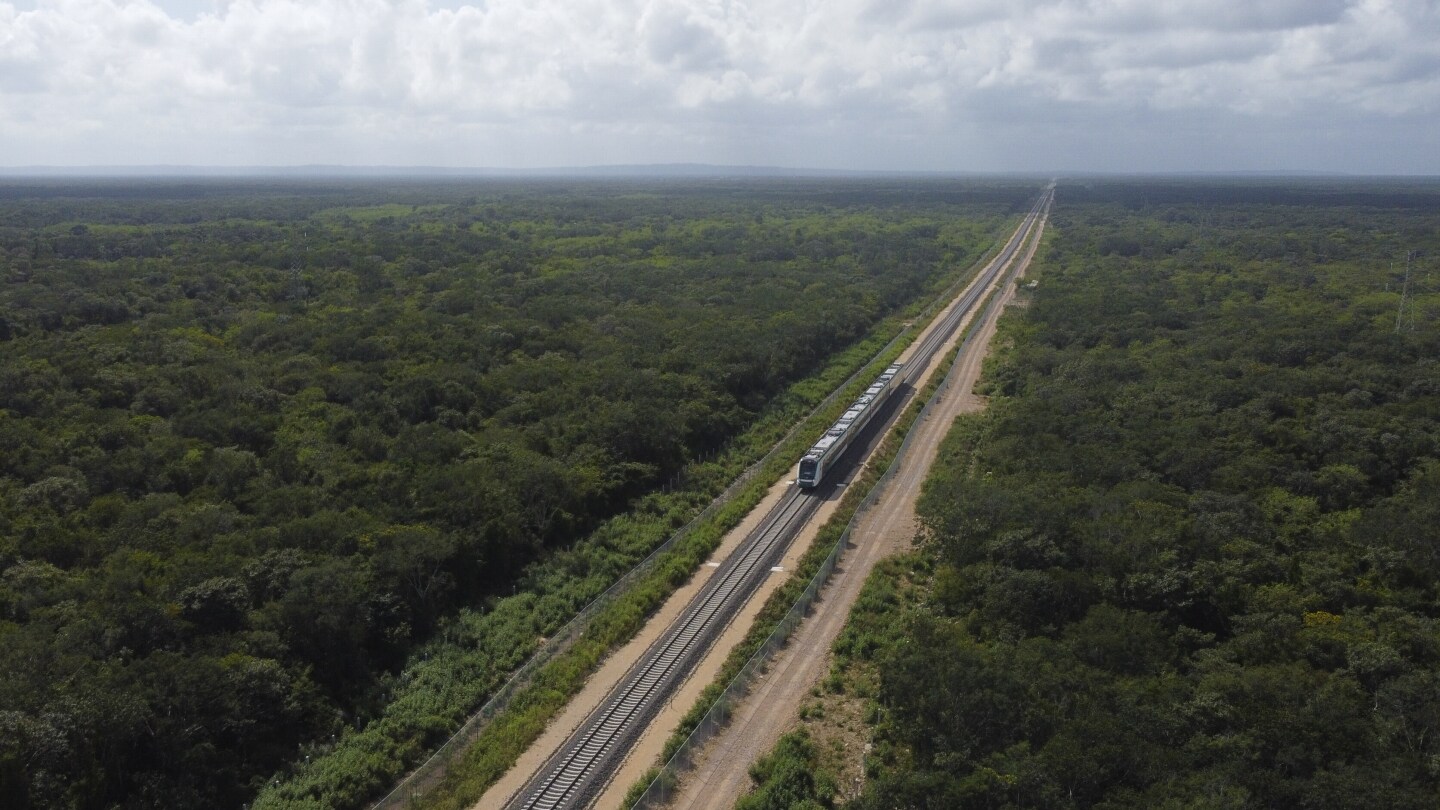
824, 453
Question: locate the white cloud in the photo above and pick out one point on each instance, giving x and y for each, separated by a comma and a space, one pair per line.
895, 84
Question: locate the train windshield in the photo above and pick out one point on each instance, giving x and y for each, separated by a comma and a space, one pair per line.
807, 470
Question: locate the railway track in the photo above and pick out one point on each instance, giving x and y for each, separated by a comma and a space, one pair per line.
575, 774
566, 779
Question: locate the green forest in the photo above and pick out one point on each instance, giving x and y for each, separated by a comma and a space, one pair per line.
261, 442
1190, 554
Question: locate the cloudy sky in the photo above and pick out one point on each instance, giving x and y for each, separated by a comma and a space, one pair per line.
950, 85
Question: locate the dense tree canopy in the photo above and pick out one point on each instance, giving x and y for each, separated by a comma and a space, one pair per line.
258, 440
1191, 555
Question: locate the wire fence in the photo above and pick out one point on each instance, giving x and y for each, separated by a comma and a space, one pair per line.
665, 784
411, 790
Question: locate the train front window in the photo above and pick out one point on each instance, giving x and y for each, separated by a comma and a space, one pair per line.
807, 469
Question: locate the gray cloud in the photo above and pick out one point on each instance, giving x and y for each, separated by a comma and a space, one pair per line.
945, 84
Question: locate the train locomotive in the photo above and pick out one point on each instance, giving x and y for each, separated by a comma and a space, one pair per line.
828, 449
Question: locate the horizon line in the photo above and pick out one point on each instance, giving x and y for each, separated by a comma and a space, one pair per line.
676, 169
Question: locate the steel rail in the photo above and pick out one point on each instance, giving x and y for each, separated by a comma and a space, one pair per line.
565, 777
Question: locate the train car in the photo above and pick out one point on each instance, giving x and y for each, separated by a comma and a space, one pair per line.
823, 454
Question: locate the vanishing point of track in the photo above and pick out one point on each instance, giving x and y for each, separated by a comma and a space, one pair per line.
576, 773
